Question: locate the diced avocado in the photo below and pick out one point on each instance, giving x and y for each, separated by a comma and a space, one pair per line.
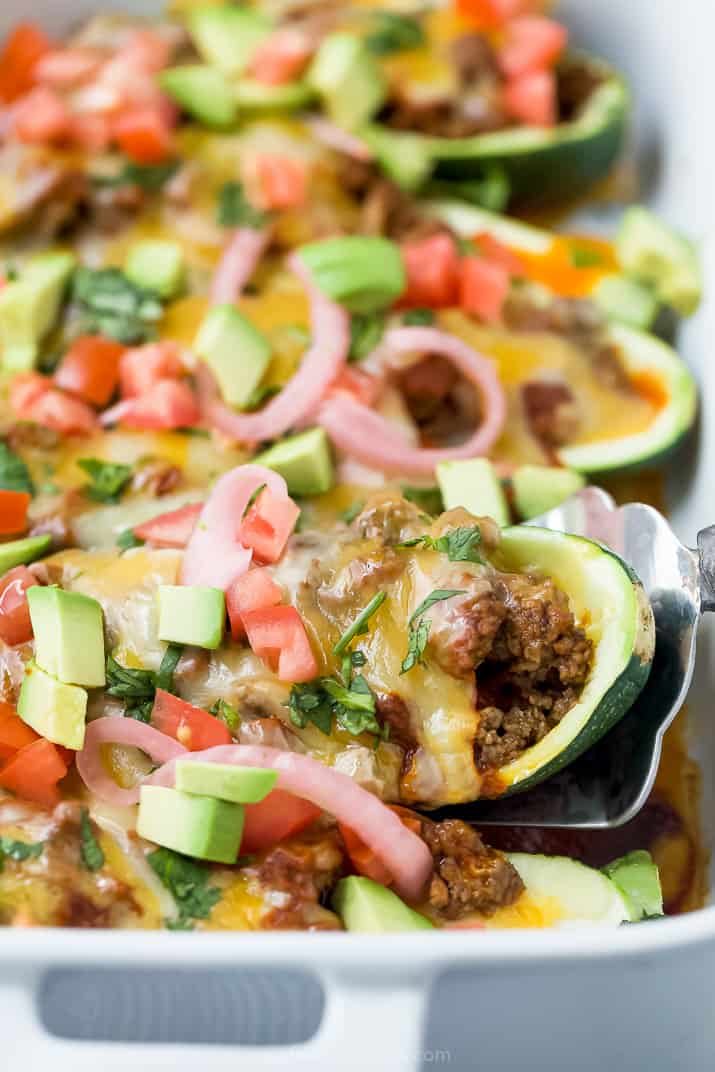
20, 552
474, 485
254, 96
362, 273
204, 827
53, 709
660, 256
627, 301
242, 785
227, 35
191, 614
236, 352
369, 908
29, 307
637, 878
539, 488
203, 92
157, 266
347, 77
404, 157
69, 635
304, 461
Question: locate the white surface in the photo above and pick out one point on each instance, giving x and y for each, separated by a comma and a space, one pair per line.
633, 998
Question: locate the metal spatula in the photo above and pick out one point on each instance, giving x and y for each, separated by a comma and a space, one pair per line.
610, 783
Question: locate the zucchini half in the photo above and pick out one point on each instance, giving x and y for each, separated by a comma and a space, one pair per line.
546, 165
640, 353
607, 597
574, 892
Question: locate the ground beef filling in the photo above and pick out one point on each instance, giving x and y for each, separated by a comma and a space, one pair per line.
468, 875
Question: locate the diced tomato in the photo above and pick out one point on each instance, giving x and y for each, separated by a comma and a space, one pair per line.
483, 288
267, 526
497, 253
34, 771
357, 384
532, 99
90, 132
147, 51
172, 529
14, 733
34, 399
282, 180
168, 404
411, 819
193, 727
144, 135
22, 51
25, 389
281, 57
13, 512
255, 590
432, 267
277, 634
141, 367
42, 117
15, 624
281, 815
531, 43
66, 68
362, 857
90, 369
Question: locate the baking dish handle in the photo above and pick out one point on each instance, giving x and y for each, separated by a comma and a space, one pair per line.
367, 1023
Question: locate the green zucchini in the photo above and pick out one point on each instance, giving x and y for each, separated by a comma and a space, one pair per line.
604, 592
583, 894
551, 164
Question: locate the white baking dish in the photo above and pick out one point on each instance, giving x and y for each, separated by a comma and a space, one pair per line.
584, 999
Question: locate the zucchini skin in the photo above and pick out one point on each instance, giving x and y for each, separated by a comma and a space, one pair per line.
551, 165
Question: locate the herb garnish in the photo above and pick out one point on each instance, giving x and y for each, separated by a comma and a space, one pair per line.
187, 882
107, 479
393, 33
253, 497
459, 545
14, 474
112, 305
349, 515
352, 704
428, 499
228, 715
419, 627
89, 848
359, 626
127, 540
19, 850
235, 210
138, 687
148, 177
366, 331
416, 318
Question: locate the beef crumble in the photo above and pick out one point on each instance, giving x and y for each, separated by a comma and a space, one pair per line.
469, 876
299, 874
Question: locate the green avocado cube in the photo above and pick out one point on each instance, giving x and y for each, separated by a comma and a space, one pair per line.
227, 35
53, 709
363, 273
203, 92
636, 876
243, 785
69, 635
404, 157
369, 908
254, 96
627, 301
304, 461
157, 266
349, 80
191, 614
658, 255
29, 307
539, 488
20, 552
204, 827
474, 485
235, 351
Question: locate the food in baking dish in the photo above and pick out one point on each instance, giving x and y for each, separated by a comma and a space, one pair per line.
272, 405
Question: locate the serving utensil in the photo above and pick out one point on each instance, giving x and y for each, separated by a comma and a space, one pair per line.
610, 783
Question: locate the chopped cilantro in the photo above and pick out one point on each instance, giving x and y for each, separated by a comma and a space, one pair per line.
148, 177
428, 499
259, 395
228, 715
419, 627
19, 850
393, 33
582, 257
164, 676
138, 687
417, 318
14, 474
127, 539
351, 704
234, 208
349, 515
359, 626
459, 545
366, 331
89, 848
252, 499
187, 881
107, 479
110, 304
